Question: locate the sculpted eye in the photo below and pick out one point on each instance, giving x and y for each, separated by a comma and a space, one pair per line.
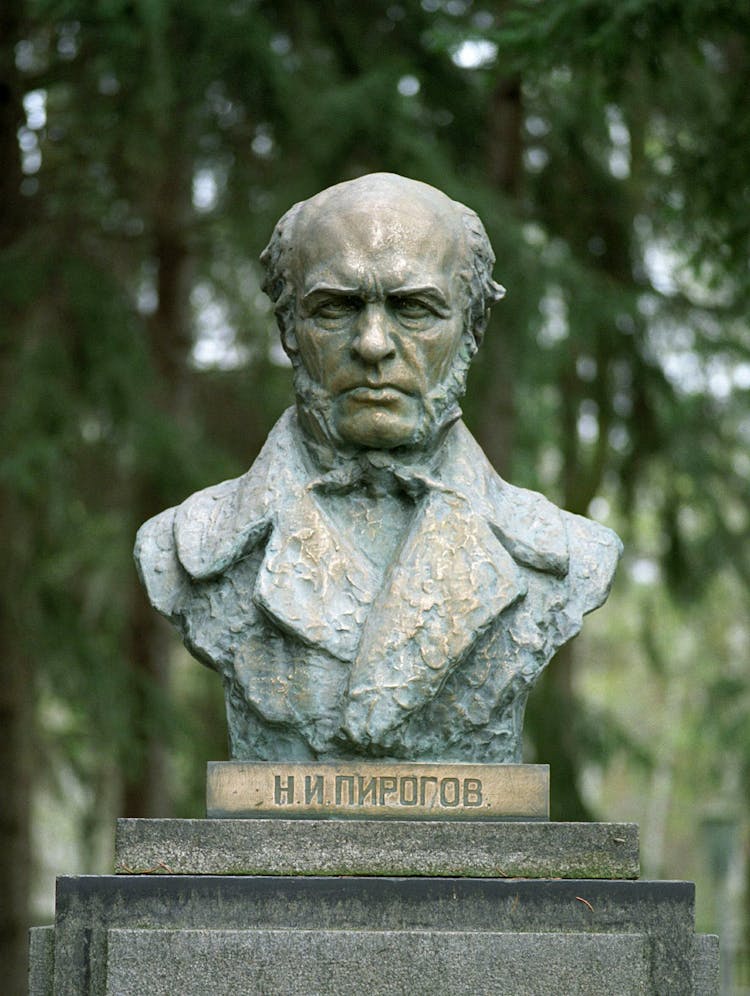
410, 307
338, 307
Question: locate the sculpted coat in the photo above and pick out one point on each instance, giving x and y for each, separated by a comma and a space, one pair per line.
323, 656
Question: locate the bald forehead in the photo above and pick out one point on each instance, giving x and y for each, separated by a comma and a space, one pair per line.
382, 191
389, 219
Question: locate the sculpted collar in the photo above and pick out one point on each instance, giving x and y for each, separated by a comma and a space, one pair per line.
216, 527
391, 470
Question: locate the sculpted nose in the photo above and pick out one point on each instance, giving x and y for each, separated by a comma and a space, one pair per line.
373, 342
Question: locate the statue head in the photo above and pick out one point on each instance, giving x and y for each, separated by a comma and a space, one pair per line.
382, 288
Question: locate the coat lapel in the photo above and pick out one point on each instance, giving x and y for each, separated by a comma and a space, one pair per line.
451, 580
313, 583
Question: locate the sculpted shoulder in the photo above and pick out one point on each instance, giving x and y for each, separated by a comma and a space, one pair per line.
595, 551
545, 537
157, 564
527, 524
536, 532
210, 530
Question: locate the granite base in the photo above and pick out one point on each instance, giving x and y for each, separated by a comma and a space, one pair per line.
158, 932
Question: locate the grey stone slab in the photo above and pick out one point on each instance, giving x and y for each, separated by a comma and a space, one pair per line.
377, 847
90, 906
384, 963
41, 960
706, 973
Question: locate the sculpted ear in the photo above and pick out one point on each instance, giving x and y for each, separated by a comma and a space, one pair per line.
289, 339
286, 318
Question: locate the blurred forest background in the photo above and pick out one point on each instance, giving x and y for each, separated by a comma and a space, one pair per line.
147, 148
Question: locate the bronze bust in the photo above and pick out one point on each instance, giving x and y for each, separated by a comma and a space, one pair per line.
371, 587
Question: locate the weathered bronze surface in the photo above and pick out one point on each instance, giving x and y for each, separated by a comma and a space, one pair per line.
371, 588
378, 790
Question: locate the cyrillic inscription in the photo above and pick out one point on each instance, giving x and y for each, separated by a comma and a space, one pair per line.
283, 792
380, 790
313, 789
398, 790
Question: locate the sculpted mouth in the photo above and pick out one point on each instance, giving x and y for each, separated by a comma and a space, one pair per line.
376, 395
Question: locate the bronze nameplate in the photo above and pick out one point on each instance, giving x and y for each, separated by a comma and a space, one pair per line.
373, 790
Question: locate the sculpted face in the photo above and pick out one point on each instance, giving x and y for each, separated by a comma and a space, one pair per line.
380, 310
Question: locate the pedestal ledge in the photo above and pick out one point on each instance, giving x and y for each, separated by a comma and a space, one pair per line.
377, 847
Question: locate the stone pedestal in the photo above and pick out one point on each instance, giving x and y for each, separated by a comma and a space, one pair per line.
377, 847
220, 907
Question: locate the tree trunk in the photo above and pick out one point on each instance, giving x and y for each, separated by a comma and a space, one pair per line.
146, 783
14, 205
16, 751
551, 710
16, 670
504, 167
552, 721
505, 130
552, 706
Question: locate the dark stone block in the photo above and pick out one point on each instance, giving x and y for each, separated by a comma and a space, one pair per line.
41, 960
384, 963
89, 907
706, 965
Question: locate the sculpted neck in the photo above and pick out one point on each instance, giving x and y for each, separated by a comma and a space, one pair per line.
323, 454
